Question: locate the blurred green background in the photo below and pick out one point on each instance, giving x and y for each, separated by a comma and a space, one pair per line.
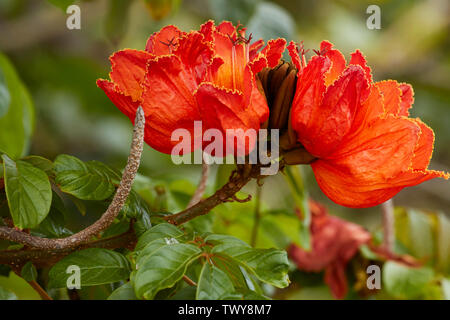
60, 66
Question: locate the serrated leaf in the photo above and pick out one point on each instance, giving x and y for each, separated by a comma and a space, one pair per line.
405, 282
268, 265
28, 192
213, 283
29, 272
90, 180
97, 266
124, 292
17, 121
163, 230
163, 268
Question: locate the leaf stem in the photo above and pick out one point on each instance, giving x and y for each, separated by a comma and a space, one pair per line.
257, 216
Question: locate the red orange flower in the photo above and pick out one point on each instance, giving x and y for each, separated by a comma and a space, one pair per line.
334, 243
367, 147
181, 77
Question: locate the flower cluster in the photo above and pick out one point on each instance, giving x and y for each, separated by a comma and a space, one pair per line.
364, 145
206, 75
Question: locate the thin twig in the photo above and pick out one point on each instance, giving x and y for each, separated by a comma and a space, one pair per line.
110, 214
257, 216
388, 225
189, 281
236, 182
201, 185
42, 293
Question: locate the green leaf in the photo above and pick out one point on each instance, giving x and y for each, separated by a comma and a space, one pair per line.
7, 295
28, 191
5, 97
17, 121
124, 292
41, 163
90, 180
271, 21
163, 268
213, 283
53, 225
97, 266
163, 230
222, 241
135, 206
143, 223
29, 272
405, 282
186, 293
268, 265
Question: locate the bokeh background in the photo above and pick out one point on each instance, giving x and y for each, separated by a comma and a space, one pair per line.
73, 116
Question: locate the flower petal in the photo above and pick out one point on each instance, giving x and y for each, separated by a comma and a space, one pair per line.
195, 54
295, 57
163, 41
341, 189
357, 58
274, 51
391, 96
226, 110
128, 71
370, 109
424, 147
123, 102
329, 122
364, 170
168, 100
226, 28
254, 49
337, 61
309, 94
407, 99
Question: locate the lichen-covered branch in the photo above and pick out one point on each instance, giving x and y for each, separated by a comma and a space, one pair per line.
238, 179
110, 214
48, 257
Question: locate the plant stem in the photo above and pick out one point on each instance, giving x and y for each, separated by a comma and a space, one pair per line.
257, 216
42, 293
388, 225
